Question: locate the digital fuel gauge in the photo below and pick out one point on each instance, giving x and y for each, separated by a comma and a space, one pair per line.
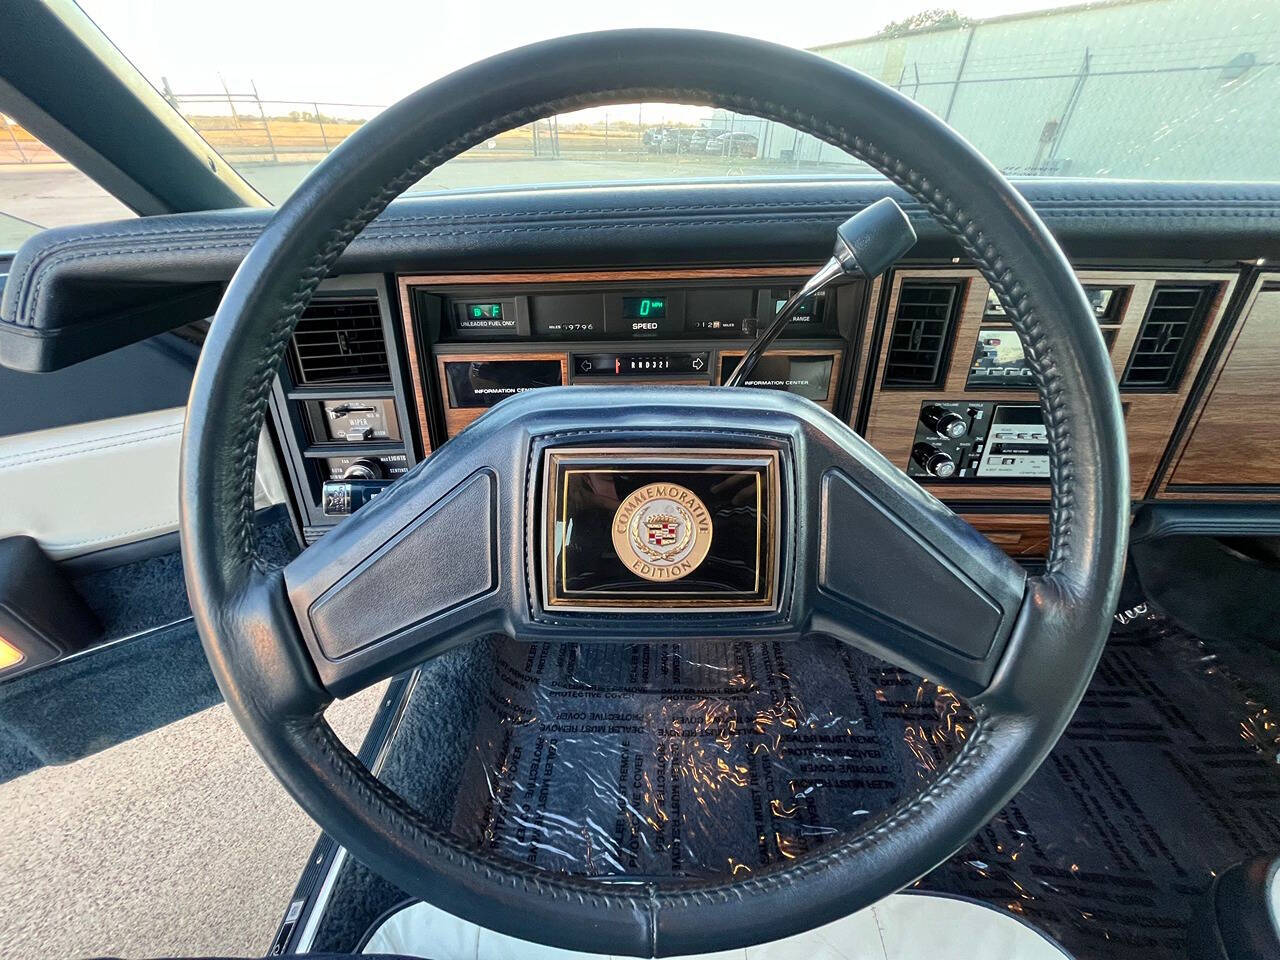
481, 317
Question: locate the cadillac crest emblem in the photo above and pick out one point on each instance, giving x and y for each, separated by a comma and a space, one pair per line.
662, 531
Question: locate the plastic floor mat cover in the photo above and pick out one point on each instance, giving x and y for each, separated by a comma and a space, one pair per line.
1167, 775
688, 760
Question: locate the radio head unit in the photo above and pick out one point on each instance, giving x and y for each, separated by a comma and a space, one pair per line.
968, 441
1017, 446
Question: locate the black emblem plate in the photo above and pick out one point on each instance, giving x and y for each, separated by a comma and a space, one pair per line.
660, 529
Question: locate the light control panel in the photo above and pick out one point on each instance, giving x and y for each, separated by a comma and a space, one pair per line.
356, 451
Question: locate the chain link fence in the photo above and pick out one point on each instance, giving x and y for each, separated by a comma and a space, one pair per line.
1173, 89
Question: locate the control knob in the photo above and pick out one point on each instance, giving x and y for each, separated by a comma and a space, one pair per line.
933, 461
366, 468
944, 423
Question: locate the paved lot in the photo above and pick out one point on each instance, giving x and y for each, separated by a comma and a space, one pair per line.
276, 181
177, 843
49, 195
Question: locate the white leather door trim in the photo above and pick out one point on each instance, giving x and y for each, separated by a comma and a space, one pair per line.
90, 486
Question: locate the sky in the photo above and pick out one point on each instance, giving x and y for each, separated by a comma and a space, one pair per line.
319, 50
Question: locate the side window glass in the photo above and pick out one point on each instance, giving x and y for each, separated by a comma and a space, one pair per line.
40, 189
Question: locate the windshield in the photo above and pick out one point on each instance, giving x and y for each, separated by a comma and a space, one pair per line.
1143, 89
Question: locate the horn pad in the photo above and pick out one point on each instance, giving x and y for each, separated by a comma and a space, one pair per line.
646, 530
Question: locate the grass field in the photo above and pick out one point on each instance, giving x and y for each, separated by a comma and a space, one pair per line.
251, 137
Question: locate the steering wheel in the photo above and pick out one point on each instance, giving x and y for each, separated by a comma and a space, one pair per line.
466, 543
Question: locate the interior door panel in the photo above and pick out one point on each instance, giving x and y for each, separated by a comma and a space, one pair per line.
130, 661
88, 487
153, 374
144, 668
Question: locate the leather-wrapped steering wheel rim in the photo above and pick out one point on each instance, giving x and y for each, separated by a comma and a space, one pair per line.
248, 628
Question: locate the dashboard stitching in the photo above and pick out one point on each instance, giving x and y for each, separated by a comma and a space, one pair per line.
1143, 203
50, 252
61, 253
52, 256
70, 257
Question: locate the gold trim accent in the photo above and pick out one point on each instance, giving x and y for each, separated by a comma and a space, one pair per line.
765, 463
563, 518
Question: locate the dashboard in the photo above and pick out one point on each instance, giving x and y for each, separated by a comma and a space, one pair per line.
922, 362
447, 304
647, 327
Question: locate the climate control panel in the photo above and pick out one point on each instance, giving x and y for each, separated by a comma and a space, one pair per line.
979, 442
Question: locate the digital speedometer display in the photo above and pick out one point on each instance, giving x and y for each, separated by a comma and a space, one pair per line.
644, 308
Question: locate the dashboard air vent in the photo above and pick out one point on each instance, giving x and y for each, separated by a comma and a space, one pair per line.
339, 340
921, 336
1167, 335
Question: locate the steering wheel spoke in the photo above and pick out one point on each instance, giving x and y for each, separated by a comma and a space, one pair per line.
901, 576
405, 578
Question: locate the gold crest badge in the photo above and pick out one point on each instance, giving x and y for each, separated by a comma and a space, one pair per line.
662, 531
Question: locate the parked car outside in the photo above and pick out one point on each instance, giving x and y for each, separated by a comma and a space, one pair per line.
737, 143
677, 140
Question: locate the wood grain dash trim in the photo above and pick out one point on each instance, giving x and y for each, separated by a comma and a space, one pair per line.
1230, 440
602, 276
1017, 534
418, 386
1149, 417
